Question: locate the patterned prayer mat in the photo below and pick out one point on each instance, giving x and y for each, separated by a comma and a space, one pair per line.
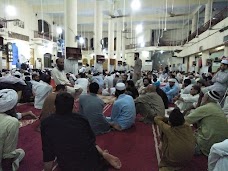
25, 108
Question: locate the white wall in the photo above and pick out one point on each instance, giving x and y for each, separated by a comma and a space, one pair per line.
208, 40
25, 13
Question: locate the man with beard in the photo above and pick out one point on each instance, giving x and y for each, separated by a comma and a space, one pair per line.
146, 82
220, 79
137, 68
60, 78
171, 89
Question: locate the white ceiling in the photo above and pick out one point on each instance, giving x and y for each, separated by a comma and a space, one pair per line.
151, 13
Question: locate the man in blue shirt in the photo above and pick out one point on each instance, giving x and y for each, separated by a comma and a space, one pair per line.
171, 89
123, 110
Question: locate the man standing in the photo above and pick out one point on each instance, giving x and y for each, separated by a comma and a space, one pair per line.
9, 128
137, 67
91, 107
60, 78
211, 122
123, 110
68, 137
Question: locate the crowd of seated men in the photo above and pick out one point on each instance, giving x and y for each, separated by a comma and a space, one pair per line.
199, 100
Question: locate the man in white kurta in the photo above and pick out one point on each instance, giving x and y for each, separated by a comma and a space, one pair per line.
220, 79
217, 159
9, 127
59, 77
41, 90
184, 101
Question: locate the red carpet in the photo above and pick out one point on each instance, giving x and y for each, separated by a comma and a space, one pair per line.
135, 147
130, 146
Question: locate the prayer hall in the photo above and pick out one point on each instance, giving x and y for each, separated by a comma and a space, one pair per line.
104, 85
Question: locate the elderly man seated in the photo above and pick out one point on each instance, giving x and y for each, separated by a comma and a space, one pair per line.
9, 128
220, 79
150, 105
123, 110
211, 122
171, 89
184, 101
59, 76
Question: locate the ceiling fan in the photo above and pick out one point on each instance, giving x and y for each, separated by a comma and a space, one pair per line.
172, 14
115, 12
5, 20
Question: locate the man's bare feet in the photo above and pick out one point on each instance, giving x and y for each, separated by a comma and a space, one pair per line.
115, 126
112, 160
29, 115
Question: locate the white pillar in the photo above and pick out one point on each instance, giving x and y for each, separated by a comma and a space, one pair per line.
226, 51
118, 43
70, 18
98, 28
191, 59
208, 11
123, 50
110, 43
205, 56
194, 22
0, 60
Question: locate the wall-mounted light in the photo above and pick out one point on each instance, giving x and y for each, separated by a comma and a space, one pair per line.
142, 44
81, 40
59, 30
11, 10
135, 5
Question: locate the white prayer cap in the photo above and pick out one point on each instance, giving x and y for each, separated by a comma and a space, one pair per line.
120, 86
17, 73
8, 99
118, 73
214, 95
172, 80
224, 61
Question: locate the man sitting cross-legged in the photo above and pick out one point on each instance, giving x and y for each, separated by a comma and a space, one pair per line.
91, 107
68, 137
211, 122
178, 142
184, 101
123, 110
150, 105
9, 128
